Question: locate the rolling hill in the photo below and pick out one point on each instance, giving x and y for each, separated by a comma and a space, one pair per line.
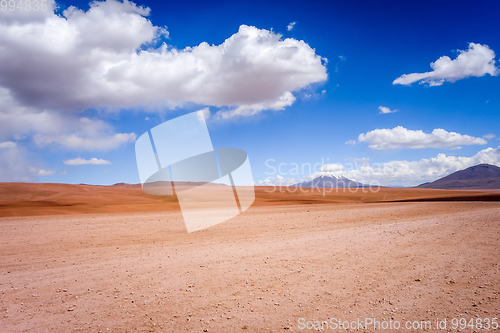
478, 177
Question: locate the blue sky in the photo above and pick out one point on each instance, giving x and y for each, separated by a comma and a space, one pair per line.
343, 61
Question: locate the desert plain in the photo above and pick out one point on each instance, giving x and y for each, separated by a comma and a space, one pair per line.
80, 258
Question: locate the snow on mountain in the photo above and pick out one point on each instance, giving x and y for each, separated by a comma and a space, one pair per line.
330, 180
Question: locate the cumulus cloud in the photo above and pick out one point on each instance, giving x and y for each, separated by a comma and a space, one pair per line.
406, 173
54, 67
478, 61
400, 137
49, 127
92, 63
8, 144
249, 110
416, 172
81, 161
384, 109
291, 25
350, 142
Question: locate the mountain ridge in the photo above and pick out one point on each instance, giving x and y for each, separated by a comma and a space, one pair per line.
329, 180
478, 177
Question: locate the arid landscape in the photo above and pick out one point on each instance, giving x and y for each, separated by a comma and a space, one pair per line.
114, 259
29, 199
249, 166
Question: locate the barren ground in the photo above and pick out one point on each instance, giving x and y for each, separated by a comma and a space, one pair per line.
258, 272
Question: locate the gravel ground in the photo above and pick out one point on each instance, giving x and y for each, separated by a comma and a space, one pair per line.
259, 272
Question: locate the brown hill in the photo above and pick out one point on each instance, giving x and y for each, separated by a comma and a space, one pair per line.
25, 199
482, 176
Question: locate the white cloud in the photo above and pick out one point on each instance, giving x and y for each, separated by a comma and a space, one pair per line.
249, 110
94, 59
400, 137
424, 170
86, 143
81, 161
277, 181
44, 173
350, 142
384, 109
111, 57
332, 167
489, 136
406, 173
291, 25
53, 126
8, 144
478, 61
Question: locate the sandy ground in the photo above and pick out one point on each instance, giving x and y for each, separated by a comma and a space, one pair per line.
28, 199
259, 272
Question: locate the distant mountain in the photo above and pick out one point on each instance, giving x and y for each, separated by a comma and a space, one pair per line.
328, 180
126, 185
479, 177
